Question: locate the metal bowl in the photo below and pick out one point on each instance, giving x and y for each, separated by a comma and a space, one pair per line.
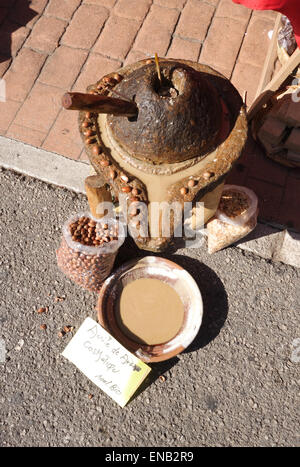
172, 274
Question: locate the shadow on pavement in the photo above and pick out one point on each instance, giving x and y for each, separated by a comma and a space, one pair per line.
13, 15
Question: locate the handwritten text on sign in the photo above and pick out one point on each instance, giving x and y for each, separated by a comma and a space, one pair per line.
106, 362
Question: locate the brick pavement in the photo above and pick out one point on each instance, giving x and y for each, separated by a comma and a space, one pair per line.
50, 46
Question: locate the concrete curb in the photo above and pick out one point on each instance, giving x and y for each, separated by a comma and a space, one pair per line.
265, 241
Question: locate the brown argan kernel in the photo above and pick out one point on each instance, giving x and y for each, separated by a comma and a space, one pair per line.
126, 189
43, 326
112, 174
67, 329
61, 334
183, 190
207, 175
117, 77
42, 309
90, 396
96, 149
162, 378
191, 183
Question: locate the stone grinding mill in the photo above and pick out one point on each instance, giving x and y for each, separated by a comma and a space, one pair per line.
171, 136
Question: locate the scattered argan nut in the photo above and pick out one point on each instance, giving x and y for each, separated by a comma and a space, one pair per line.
208, 175
96, 150
90, 396
135, 191
117, 77
43, 326
85, 124
90, 140
183, 190
59, 299
126, 189
105, 163
112, 174
42, 310
124, 178
61, 334
88, 114
148, 61
162, 378
88, 133
191, 183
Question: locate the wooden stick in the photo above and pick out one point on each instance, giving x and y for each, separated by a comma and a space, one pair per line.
99, 104
97, 193
270, 58
157, 67
292, 63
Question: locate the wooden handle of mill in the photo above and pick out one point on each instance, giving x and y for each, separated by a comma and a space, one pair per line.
96, 193
99, 104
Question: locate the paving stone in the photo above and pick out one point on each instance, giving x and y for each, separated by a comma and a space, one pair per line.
156, 32
134, 56
264, 241
46, 34
246, 78
106, 3
269, 196
62, 9
27, 135
256, 42
12, 37
27, 13
185, 49
23, 73
134, 9
7, 114
64, 137
195, 20
4, 64
3, 14
95, 67
85, 27
40, 108
117, 37
222, 44
289, 252
228, 9
63, 67
171, 3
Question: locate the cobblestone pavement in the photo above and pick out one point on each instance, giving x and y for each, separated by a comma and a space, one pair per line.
50, 46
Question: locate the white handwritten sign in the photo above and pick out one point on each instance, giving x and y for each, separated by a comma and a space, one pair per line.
106, 362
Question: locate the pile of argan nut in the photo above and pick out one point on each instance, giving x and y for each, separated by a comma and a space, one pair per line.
233, 203
86, 269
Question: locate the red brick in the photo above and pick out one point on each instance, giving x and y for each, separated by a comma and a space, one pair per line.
7, 3
40, 108
134, 9
269, 197
64, 137
23, 73
183, 48
245, 78
27, 135
4, 64
7, 114
195, 20
63, 67
290, 206
106, 3
117, 37
156, 32
228, 9
12, 37
256, 43
27, 13
95, 67
222, 44
134, 56
85, 26
46, 34
62, 9
171, 3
